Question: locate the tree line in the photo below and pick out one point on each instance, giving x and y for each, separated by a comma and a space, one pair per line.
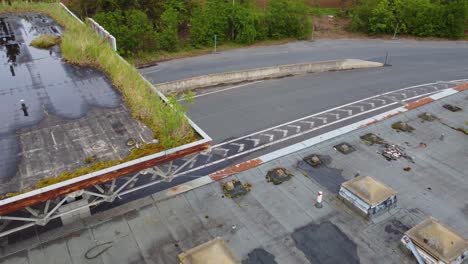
423, 18
171, 25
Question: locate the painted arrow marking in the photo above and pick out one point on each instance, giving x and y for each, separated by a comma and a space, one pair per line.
206, 154
324, 119
284, 131
311, 123
337, 116
350, 112
223, 151
256, 141
270, 137
192, 163
371, 103
241, 146
361, 108
298, 128
381, 100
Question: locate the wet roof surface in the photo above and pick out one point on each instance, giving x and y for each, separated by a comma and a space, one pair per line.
281, 220
51, 89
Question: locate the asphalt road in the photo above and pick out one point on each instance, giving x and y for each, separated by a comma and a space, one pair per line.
250, 108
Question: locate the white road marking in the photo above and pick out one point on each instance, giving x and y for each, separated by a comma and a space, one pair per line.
206, 154
270, 137
256, 141
53, 138
284, 131
350, 112
380, 100
299, 134
358, 106
371, 104
298, 128
337, 116
328, 110
223, 150
311, 123
241, 146
324, 119
222, 90
192, 163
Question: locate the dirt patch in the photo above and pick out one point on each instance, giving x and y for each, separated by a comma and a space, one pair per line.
325, 243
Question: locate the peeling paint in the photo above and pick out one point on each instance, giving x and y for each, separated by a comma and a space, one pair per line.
235, 169
419, 103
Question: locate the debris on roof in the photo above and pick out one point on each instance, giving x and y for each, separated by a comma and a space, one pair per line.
235, 188
402, 127
428, 117
344, 148
371, 139
278, 176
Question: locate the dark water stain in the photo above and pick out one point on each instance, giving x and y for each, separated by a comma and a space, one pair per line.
43, 80
330, 178
325, 243
260, 256
465, 210
396, 227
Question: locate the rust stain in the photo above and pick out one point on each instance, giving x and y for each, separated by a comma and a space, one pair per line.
43, 197
418, 103
383, 118
235, 169
462, 87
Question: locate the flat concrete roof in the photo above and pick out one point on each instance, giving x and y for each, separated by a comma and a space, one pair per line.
369, 190
438, 240
279, 223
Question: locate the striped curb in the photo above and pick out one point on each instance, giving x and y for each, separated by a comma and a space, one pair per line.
224, 173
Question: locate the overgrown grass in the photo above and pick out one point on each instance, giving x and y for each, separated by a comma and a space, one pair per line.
81, 46
45, 41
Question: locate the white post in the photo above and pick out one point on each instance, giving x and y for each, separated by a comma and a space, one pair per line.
318, 204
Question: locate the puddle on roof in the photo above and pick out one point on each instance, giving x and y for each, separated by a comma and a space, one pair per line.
42, 79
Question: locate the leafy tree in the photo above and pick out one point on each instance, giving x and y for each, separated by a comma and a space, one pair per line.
169, 36
288, 18
208, 20
132, 29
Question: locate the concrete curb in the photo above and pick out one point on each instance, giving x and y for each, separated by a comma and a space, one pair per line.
278, 71
219, 175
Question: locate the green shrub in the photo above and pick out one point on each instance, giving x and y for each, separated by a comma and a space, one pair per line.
423, 18
288, 18
132, 29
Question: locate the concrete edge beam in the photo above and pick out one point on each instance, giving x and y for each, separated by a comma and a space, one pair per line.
278, 71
